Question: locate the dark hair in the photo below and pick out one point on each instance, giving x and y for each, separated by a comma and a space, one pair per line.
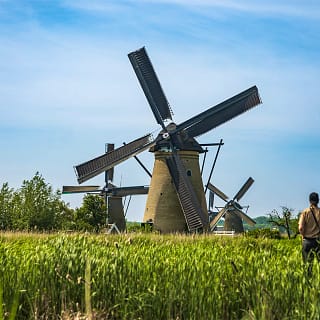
314, 198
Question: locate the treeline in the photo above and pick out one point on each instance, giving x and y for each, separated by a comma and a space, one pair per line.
36, 206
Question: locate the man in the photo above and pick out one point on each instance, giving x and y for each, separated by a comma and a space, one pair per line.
309, 228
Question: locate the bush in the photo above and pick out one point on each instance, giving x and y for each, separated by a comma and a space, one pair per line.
34, 206
265, 233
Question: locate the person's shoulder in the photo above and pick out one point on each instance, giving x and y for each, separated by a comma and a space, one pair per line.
305, 211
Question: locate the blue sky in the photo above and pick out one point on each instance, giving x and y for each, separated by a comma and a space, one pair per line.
67, 88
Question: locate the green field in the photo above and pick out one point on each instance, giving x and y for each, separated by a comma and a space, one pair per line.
148, 276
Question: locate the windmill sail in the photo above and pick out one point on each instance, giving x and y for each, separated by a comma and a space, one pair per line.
243, 189
216, 219
221, 113
80, 189
245, 217
190, 205
93, 167
218, 192
211, 200
128, 191
110, 172
150, 85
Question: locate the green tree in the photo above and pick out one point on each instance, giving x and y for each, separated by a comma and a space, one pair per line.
64, 217
6, 198
285, 220
36, 205
91, 216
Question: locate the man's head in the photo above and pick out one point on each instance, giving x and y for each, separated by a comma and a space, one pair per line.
314, 198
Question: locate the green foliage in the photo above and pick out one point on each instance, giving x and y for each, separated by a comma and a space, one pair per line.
6, 203
139, 227
33, 206
133, 226
91, 216
36, 206
155, 277
64, 217
266, 233
262, 222
285, 220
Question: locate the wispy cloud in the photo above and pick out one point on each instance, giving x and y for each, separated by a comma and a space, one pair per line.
95, 5
67, 81
296, 8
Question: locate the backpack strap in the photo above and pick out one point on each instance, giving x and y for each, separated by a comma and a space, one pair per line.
315, 218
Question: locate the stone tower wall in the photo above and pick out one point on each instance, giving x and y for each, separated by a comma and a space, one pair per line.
163, 206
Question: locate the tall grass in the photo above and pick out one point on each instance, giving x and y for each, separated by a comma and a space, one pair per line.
154, 277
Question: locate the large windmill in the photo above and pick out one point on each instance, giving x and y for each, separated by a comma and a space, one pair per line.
232, 211
176, 200
113, 195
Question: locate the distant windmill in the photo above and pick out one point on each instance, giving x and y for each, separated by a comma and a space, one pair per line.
232, 212
113, 195
176, 199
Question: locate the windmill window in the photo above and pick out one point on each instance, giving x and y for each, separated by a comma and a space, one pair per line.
189, 173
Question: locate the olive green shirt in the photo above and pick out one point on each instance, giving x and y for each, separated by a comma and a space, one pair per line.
307, 225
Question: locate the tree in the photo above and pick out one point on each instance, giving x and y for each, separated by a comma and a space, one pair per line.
6, 198
64, 217
36, 206
285, 220
91, 216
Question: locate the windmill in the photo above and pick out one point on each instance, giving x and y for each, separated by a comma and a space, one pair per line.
232, 212
176, 200
113, 195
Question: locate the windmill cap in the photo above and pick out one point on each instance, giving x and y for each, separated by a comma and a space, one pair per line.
314, 197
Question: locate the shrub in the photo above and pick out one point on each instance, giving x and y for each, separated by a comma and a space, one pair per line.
264, 233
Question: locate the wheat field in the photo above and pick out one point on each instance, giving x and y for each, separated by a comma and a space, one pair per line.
149, 276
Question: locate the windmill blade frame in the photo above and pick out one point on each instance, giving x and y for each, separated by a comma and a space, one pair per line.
92, 168
129, 191
150, 85
216, 219
221, 113
243, 189
109, 173
80, 189
245, 217
194, 216
218, 192
211, 201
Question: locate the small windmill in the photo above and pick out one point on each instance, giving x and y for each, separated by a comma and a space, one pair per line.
113, 195
176, 199
232, 212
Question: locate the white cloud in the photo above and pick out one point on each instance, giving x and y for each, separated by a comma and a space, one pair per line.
64, 80
306, 9
309, 9
106, 7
